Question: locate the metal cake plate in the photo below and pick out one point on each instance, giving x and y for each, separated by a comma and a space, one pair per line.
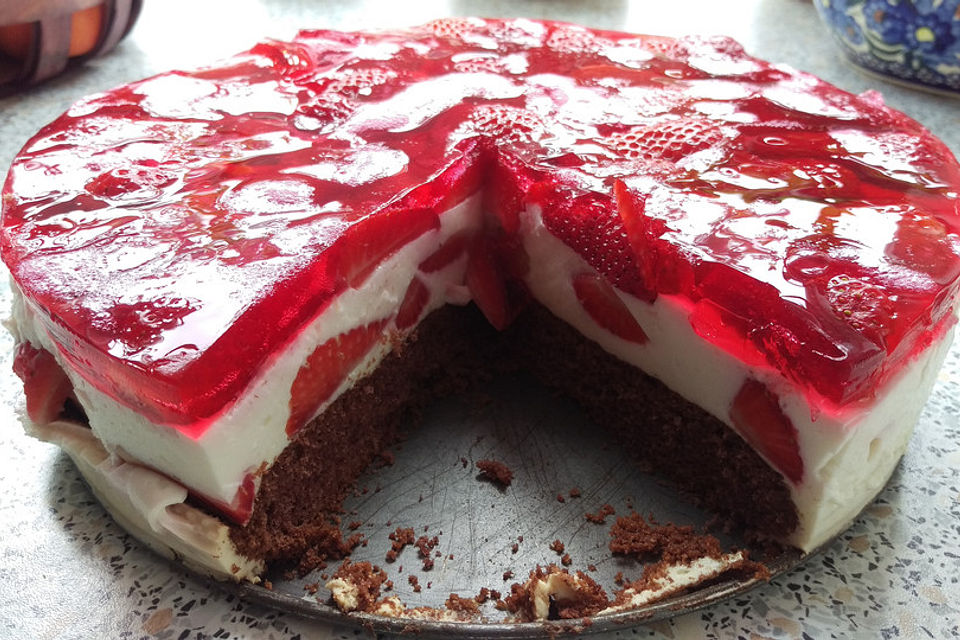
433, 486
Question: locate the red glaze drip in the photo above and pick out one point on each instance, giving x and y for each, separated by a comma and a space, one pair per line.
175, 232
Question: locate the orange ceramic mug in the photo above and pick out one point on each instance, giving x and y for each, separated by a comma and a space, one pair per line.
41, 36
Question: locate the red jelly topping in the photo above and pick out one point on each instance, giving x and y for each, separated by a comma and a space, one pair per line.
175, 232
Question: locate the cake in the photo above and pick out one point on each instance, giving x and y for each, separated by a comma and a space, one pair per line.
231, 282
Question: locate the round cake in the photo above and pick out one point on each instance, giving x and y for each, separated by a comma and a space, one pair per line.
231, 283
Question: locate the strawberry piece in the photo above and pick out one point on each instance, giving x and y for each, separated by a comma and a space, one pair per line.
670, 139
573, 39
487, 285
117, 183
413, 303
507, 183
453, 28
720, 327
660, 264
925, 244
589, 225
449, 251
757, 415
356, 83
605, 306
240, 509
326, 368
862, 305
368, 243
45, 385
505, 125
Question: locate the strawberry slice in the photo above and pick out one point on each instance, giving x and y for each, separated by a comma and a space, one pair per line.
368, 243
413, 303
45, 385
487, 285
506, 125
590, 225
862, 305
606, 308
660, 264
926, 245
453, 28
454, 247
670, 139
241, 507
720, 327
326, 368
757, 415
124, 181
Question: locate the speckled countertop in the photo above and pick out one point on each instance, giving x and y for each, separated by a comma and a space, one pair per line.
67, 571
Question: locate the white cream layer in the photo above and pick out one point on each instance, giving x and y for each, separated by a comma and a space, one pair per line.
847, 457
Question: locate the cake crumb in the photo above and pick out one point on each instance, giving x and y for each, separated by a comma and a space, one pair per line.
553, 593
560, 498
424, 546
356, 585
461, 605
354, 541
514, 548
600, 517
414, 582
312, 588
574, 493
557, 547
400, 537
507, 575
645, 537
496, 472
565, 560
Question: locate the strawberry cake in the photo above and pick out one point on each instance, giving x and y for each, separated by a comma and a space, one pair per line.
231, 283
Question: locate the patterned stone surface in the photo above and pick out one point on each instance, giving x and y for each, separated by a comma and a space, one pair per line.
67, 571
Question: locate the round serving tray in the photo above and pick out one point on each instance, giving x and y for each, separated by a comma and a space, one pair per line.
433, 486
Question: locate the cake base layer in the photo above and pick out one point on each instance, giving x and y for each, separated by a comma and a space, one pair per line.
666, 434
295, 522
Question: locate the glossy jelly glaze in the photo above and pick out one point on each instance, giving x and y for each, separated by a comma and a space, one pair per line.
177, 232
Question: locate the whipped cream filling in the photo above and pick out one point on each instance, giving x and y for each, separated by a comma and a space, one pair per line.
847, 455
676, 578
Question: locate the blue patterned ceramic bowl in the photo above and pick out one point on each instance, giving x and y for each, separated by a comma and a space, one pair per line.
917, 41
